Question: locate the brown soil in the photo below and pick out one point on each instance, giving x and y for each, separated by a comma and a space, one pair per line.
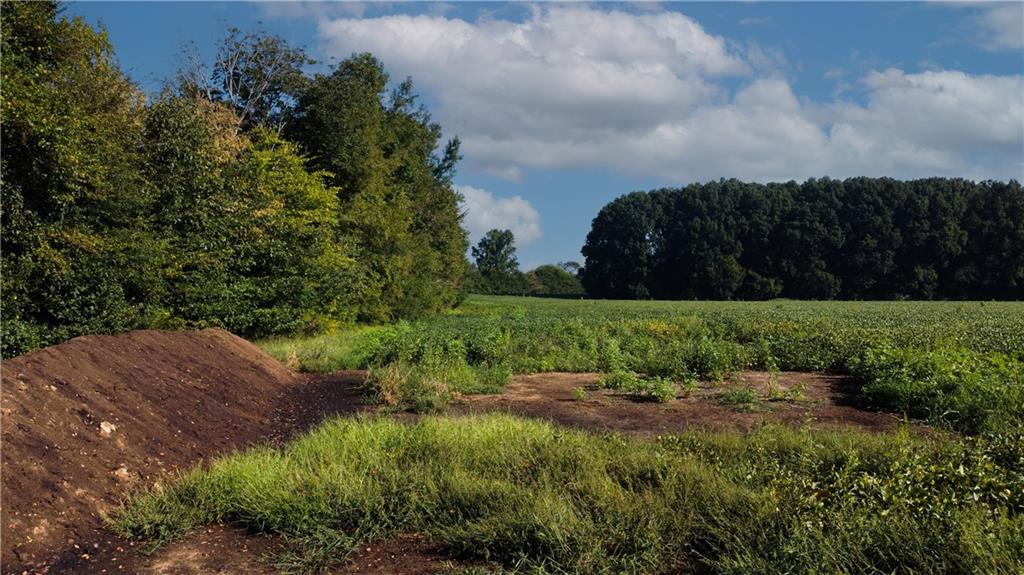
87, 421
815, 399
219, 550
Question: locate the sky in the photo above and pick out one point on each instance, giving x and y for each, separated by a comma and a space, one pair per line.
562, 107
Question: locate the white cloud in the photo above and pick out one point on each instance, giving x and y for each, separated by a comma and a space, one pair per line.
562, 69
485, 212
579, 86
1002, 26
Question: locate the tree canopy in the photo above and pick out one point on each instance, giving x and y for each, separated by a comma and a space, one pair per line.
497, 270
249, 195
860, 238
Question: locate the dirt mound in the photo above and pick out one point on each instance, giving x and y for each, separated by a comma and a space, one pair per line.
84, 421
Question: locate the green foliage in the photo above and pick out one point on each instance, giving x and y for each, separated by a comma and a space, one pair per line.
397, 202
619, 381
552, 280
529, 496
415, 389
618, 251
660, 389
956, 364
77, 255
429, 387
859, 238
967, 391
739, 397
496, 253
294, 273
497, 270
189, 212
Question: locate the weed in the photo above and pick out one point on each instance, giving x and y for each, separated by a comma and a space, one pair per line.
619, 381
660, 389
579, 394
739, 397
688, 385
797, 392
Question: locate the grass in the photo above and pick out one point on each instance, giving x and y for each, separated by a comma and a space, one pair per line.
880, 343
531, 497
428, 388
347, 349
524, 496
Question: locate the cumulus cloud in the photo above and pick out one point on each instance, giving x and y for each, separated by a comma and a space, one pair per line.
655, 94
486, 212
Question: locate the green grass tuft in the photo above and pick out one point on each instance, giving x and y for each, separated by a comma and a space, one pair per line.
529, 496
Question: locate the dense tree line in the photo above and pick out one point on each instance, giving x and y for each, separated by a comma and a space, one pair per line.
859, 238
496, 271
250, 195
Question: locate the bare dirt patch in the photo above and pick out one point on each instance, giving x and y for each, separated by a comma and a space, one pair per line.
787, 397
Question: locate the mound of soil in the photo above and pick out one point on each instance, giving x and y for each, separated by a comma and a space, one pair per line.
85, 422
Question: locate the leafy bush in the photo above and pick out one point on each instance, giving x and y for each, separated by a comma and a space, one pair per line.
966, 391
619, 381
660, 389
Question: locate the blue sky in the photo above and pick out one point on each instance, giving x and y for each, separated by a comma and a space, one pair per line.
563, 107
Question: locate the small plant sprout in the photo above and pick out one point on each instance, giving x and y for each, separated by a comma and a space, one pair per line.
796, 393
579, 394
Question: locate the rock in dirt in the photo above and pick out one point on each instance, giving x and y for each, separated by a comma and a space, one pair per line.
107, 428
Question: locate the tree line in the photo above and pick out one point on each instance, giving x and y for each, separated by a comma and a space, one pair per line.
496, 271
859, 238
248, 194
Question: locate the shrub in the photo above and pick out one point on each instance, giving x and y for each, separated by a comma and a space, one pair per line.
619, 381
660, 389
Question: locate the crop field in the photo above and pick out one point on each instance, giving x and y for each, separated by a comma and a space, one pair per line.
956, 364
499, 493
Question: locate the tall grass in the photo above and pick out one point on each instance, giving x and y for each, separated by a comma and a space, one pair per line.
345, 349
528, 496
